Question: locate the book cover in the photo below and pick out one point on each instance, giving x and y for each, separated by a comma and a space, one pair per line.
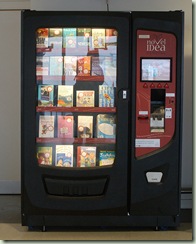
65, 126
85, 98
85, 126
44, 155
42, 65
42, 38
84, 66
46, 126
106, 126
70, 65
55, 38
84, 36
45, 95
86, 156
69, 37
111, 37
106, 96
64, 156
56, 65
65, 96
109, 67
106, 157
98, 38
96, 69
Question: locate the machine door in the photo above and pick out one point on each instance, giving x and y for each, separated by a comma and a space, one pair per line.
75, 72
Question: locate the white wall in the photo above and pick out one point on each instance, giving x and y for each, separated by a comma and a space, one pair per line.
10, 75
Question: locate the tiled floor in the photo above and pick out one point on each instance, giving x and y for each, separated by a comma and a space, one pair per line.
11, 229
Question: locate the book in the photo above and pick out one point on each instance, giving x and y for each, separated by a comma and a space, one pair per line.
56, 65
46, 126
84, 66
44, 155
106, 96
65, 96
42, 65
45, 95
106, 126
42, 38
109, 67
65, 126
69, 37
86, 156
85, 126
85, 98
106, 157
96, 69
84, 36
111, 37
98, 38
70, 65
64, 156
55, 38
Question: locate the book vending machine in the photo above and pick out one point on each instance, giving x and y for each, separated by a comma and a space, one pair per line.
101, 118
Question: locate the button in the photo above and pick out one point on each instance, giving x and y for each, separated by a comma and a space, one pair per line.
166, 85
145, 85
154, 177
159, 85
152, 85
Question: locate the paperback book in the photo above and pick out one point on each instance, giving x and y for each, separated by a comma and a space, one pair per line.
84, 66
55, 38
46, 126
106, 157
106, 126
45, 95
86, 156
64, 156
69, 37
65, 126
44, 155
56, 65
96, 69
70, 66
85, 98
98, 38
42, 38
42, 65
85, 126
106, 96
65, 96
84, 36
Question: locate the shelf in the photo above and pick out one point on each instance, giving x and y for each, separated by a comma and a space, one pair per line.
51, 78
77, 140
77, 109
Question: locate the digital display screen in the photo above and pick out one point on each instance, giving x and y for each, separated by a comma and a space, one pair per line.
153, 69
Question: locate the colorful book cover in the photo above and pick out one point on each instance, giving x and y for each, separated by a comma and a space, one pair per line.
98, 38
106, 158
84, 66
65, 96
44, 155
111, 36
70, 65
106, 126
56, 65
65, 126
96, 69
42, 38
46, 126
106, 96
64, 156
45, 95
69, 37
55, 38
86, 156
85, 98
42, 65
85, 126
84, 36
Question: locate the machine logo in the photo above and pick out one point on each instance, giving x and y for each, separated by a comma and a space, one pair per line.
157, 46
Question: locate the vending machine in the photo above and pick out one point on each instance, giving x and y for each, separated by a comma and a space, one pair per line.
101, 118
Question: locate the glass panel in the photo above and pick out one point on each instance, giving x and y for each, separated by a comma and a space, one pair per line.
76, 72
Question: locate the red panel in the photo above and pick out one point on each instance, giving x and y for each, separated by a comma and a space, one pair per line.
154, 45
